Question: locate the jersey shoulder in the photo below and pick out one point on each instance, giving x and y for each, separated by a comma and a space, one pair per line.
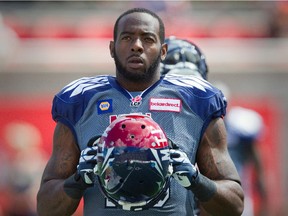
202, 97
70, 103
190, 83
82, 86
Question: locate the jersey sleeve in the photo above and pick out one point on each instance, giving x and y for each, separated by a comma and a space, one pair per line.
205, 100
70, 103
67, 110
216, 108
217, 105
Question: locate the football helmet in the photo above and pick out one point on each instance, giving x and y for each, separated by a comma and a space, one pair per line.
133, 162
183, 57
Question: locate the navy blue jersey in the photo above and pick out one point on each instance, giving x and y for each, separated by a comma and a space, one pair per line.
182, 105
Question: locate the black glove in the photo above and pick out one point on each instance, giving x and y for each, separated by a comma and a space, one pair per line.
183, 171
189, 177
85, 175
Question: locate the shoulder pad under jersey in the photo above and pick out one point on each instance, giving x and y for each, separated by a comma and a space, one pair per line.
204, 99
70, 103
189, 81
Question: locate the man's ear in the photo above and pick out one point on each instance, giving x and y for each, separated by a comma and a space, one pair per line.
111, 47
164, 50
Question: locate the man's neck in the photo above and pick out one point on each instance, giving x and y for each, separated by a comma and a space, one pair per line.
136, 86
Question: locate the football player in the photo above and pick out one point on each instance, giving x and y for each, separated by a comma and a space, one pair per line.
188, 109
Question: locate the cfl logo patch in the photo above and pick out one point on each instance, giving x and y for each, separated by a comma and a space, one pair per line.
136, 101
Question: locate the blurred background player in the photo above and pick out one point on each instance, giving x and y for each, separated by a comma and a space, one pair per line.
244, 130
244, 126
184, 57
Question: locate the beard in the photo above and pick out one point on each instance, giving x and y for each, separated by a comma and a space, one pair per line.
147, 75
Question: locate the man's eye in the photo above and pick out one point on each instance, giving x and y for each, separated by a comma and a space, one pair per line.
126, 38
149, 40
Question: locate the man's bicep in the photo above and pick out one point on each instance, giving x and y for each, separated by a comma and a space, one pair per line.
65, 155
213, 158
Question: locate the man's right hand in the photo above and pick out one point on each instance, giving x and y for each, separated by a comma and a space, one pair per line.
87, 163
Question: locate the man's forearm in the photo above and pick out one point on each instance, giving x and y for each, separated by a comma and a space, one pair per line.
228, 200
52, 200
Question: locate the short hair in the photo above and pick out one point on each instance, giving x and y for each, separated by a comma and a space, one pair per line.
142, 10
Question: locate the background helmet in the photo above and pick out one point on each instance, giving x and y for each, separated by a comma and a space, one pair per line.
184, 57
133, 162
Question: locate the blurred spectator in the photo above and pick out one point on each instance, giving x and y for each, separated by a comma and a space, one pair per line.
8, 42
279, 22
22, 165
156, 6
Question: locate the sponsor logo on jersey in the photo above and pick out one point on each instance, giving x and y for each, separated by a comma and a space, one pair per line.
104, 106
136, 101
165, 104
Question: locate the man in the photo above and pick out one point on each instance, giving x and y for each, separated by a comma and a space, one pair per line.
189, 114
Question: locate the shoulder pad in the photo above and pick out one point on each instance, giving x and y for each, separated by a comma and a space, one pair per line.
71, 101
80, 86
190, 82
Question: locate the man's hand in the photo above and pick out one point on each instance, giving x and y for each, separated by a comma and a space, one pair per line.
189, 177
85, 176
183, 171
87, 163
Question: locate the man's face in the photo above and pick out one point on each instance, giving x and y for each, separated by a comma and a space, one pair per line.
137, 51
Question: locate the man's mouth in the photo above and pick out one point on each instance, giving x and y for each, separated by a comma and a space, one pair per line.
135, 62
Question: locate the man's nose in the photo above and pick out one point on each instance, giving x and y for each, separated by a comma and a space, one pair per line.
137, 45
